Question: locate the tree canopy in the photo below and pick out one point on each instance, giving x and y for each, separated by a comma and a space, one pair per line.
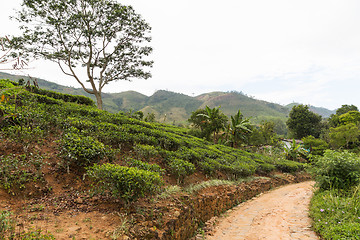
93, 41
302, 122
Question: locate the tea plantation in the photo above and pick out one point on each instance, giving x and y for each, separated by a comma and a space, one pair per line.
120, 157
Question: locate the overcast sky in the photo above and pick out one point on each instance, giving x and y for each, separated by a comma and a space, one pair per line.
281, 51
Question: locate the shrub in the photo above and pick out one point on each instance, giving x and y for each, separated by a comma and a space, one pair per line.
16, 171
146, 166
5, 83
65, 97
340, 170
265, 168
289, 166
181, 168
145, 151
82, 151
315, 145
128, 183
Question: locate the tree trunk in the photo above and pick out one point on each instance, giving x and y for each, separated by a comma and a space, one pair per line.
99, 100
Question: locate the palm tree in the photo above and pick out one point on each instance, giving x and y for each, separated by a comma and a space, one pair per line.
239, 127
215, 119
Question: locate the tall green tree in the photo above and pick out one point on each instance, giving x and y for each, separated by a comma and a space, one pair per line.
94, 41
302, 122
344, 136
334, 120
346, 108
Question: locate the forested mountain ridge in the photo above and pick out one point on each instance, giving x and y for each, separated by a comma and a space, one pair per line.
176, 108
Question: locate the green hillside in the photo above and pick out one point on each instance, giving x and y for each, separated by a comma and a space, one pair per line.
176, 108
60, 153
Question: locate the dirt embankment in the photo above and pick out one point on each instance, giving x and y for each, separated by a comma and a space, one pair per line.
182, 218
278, 214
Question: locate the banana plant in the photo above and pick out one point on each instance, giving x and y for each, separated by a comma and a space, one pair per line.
238, 128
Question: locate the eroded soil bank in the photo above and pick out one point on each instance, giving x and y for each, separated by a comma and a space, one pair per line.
278, 214
187, 213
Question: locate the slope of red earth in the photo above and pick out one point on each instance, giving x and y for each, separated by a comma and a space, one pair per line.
63, 205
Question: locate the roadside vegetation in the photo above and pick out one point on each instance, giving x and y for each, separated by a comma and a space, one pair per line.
335, 163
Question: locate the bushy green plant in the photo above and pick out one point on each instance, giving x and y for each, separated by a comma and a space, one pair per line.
145, 151
181, 168
16, 171
289, 166
128, 183
145, 166
79, 150
316, 146
294, 151
65, 97
5, 83
340, 170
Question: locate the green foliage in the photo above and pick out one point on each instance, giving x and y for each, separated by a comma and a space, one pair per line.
346, 108
145, 166
128, 183
104, 38
350, 117
209, 120
336, 215
238, 128
339, 170
65, 97
7, 225
8, 230
315, 145
302, 122
180, 168
6, 83
79, 150
288, 166
344, 136
84, 130
145, 151
294, 151
16, 171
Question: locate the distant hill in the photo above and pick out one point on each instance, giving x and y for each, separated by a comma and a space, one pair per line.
171, 107
324, 112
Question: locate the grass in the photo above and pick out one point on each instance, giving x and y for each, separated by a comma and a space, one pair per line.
336, 214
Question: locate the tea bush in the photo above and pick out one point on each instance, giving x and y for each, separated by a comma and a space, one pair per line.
145, 166
128, 183
78, 150
65, 97
145, 151
16, 171
289, 166
340, 170
181, 168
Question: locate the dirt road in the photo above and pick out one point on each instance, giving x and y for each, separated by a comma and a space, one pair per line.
280, 214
